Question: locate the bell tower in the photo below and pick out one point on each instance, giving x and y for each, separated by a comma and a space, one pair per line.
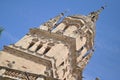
59, 49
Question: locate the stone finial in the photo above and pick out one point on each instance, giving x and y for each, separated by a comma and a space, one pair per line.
52, 22
95, 14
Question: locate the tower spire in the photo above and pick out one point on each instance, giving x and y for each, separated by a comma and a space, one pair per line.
101, 9
95, 14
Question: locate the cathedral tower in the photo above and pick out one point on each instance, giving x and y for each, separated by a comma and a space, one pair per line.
57, 50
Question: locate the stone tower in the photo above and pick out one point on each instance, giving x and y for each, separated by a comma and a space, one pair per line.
57, 50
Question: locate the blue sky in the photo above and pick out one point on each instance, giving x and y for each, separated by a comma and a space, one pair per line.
17, 16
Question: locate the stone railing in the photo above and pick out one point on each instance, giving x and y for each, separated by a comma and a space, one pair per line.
13, 74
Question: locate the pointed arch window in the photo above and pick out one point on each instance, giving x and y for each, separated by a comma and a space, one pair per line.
38, 47
30, 45
46, 50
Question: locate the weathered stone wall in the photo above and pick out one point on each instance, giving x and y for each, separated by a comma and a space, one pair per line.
56, 49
